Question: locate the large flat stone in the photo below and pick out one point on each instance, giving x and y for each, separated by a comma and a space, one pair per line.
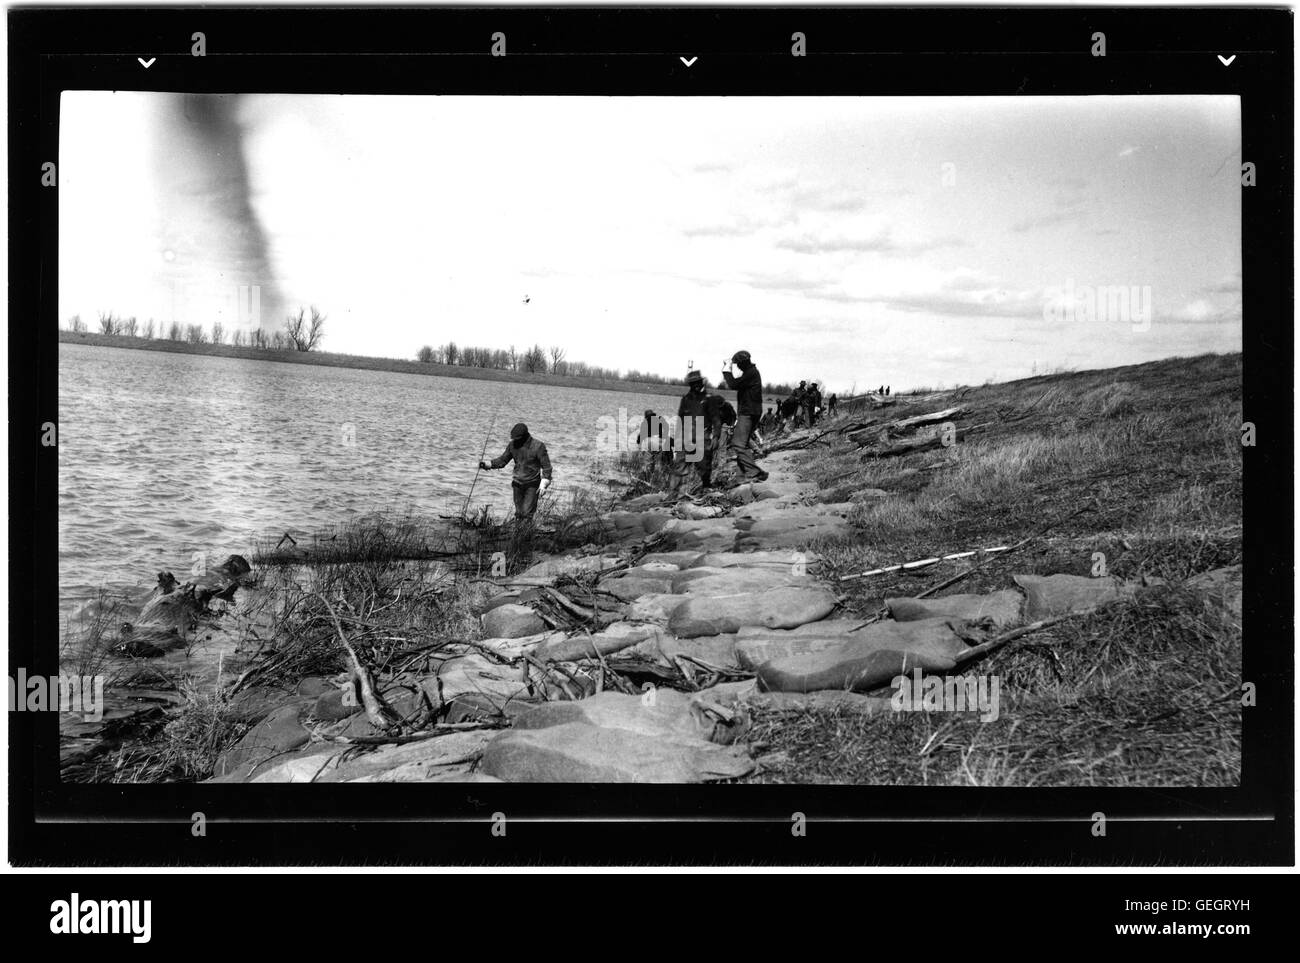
475, 673
635, 524
783, 560
715, 650
254, 704
693, 511
412, 762
631, 589
656, 609
548, 571
782, 532
663, 714
775, 488
276, 735
1051, 595
779, 608
1003, 607
937, 637
576, 752
615, 638
779, 509
1223, 585
869, 661
514, 648
677, 560
736, 580
512, 622
708, 535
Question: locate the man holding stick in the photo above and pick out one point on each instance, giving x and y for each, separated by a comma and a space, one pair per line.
532, 474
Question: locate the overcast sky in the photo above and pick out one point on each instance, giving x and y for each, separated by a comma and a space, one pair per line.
847, 240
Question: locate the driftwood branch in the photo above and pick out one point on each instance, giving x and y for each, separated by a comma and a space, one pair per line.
380, 713
984, 648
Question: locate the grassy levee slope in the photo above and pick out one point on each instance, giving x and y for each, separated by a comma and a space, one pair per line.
1140, 465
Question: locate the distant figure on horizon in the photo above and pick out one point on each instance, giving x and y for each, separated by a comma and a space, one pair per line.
830, 405
532, 475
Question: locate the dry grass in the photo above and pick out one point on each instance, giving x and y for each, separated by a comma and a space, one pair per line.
1146, 694
1140, 464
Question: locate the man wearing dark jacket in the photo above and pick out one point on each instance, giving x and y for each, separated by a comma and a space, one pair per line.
700, 434
812, 400
532, 469
749, 409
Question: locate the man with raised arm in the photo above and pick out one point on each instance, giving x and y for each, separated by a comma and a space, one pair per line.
748, 386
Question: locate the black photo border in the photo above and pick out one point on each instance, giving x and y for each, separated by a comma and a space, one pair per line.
868, 51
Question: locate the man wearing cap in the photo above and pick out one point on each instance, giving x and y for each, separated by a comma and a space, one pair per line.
700, 432
749, 409
532, 469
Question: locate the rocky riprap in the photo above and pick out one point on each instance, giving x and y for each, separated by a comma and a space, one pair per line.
724, 600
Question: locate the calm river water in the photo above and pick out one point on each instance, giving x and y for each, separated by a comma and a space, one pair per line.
163, 455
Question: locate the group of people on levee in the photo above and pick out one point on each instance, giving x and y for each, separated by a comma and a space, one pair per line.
704, 418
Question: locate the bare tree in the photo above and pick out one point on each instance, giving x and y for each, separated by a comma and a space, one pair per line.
218, 332
534, 360
450, 353
316, 332
295, 329
513, 357
129, 326
302, 333
194, 334
107, 323
237, 339
557, 360
279, 341
174, 331
148, 329
76, 324
425, 354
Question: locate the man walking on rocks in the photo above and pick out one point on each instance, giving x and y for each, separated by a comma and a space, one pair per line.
532, 469
749, 409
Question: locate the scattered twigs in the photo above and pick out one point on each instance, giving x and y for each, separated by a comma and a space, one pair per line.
570, 606
1038, 533
984, 648
796, 443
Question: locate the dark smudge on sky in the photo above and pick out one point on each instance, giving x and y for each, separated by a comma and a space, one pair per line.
209, 227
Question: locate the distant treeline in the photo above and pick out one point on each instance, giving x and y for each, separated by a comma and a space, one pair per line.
304, 331
361, 362
300, 332
553, 360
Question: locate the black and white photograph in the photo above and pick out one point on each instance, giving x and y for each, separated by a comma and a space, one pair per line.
836, 440
715, 438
